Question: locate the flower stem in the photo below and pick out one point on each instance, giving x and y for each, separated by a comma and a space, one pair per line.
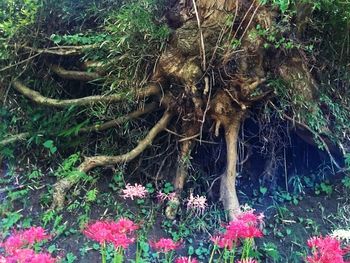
212, 254
103, 253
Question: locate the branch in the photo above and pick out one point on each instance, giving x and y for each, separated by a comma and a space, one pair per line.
62, 186
40, 99
14, 138
75, 75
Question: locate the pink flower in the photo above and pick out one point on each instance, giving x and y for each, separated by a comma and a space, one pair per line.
186, 260
112, 232
123, 225
35, 234
132, 191
165, 245
162, 197
122, 240
28, 256
223, 242
197, 203
21, 255
325, 250
247, 260
24, 238
43, 258
99, 231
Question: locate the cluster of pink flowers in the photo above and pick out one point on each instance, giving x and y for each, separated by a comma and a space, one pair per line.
163, 197
165, 245
118, 233
134, 191
197, 203
18, 247
186, 260
246, 225
325, 250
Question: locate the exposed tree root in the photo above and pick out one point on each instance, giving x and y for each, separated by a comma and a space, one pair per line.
75, 75
113, 123
228, 194
62, 186
61, 50
94, 128
40, 99
14, 138
182, 169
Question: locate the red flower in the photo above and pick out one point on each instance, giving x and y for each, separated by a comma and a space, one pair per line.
122, 240
28, 256
223, 242
186, 260
112, 232
35, 234
99, 231
165, 245
325, 250
24, 238
21, 255
123, 225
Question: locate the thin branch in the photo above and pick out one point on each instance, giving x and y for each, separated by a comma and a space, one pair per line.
62, 186
314, 133
40, 99
74, 75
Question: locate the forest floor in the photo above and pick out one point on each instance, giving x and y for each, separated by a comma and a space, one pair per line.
290, 217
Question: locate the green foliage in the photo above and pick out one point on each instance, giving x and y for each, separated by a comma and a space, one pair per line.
15, 17
68, 168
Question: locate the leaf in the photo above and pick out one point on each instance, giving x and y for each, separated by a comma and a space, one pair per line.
263, 190
56, 38
48, 144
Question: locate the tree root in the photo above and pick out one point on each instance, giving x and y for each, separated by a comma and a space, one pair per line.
14, 138
94, 128
40, 99
190, 131
113, 123
61, 50
228, 194
62, 186
75, 75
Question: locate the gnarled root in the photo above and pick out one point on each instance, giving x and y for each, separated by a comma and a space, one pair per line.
62, 186
182, 170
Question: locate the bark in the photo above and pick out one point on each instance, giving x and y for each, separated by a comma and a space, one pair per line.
40, 99
62, 186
